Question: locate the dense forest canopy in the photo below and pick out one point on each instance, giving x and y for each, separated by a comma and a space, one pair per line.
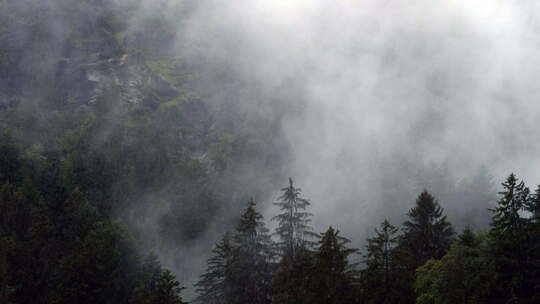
146, 149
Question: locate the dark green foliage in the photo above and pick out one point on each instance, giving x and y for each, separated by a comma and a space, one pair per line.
241, 269
253, 259
427, 233
100, 269
511, 244
294, 230
500, 266
467, 238
58, 248
533, 206
167, 289
293, 278
156, 285
87, 128
295, 242
466, 274
332, 276
83, 149
507, 223
533, 244
97, 127
381, 265
70, 254
216, 285
88, 160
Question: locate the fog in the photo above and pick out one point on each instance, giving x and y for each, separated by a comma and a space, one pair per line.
384, 89
377, 100
367, 102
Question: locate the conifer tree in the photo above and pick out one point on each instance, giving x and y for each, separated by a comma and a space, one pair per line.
507, 222
253, 258
167, 289
380, 261
463, 275
427, 233
157, 285
467, 238
533, 207
291, 283
333, 275
294, 228
533, 242
295, 243
215, 285
509, 234
240, 271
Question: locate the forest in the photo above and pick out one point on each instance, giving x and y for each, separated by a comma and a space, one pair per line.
424, 260
146, 149
58, 247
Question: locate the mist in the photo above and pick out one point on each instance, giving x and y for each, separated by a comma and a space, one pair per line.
363, 103
375, 100
382, 87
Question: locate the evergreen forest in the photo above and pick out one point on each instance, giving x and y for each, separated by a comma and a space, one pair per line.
146, 148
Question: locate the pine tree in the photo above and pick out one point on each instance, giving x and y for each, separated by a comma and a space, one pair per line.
240, 271
294, 228
295, 244
157, 285
533, 207
167, 289
333, 275
509, 234
427, 233
467, 238
291, 283
252, 266
215, 285
380, 261
533, 243
507, 222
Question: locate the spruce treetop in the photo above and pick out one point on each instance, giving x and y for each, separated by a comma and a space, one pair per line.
514, 199
427, 232
294, 228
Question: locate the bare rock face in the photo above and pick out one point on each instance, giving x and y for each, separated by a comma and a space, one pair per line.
71, 52
125, 75
69, 60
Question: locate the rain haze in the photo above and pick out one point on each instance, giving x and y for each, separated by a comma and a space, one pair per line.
363, 103
380, 87
378, 100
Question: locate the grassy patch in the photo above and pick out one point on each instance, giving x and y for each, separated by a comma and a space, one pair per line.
169, 71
